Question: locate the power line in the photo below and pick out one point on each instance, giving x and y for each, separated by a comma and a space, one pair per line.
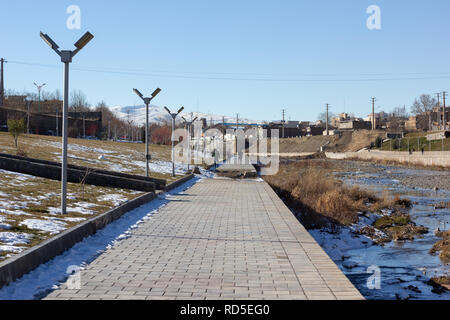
180, 76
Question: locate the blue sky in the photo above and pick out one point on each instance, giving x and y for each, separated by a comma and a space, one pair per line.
225, 57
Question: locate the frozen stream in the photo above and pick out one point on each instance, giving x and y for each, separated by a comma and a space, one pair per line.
405, 266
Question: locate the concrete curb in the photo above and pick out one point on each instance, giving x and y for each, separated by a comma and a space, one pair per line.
179, 182
23, 263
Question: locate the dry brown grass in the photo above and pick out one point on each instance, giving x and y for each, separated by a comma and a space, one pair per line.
442, 246
311, 188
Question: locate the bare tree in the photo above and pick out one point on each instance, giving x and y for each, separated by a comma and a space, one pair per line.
78, 101
400, 112
424, 105
323, 117
57, 95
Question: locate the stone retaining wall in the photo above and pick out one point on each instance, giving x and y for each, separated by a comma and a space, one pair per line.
441, 159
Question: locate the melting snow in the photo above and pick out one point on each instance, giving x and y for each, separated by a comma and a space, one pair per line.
116, 199
53, 227
13, 238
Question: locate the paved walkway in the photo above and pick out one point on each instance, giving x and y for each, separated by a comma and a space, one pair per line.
221, 239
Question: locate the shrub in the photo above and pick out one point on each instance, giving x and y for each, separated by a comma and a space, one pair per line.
378, 142
16, 128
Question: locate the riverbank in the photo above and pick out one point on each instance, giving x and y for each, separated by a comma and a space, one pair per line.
421, 179
406, 266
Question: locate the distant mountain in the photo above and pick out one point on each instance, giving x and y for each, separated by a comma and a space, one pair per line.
159, 115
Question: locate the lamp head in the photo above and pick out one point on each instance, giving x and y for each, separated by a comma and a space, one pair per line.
84, 40
138, 93
49, 41
155, 93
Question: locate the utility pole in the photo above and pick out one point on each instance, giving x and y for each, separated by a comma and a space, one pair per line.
57, 123
283, 111
237, 124
326, 121
444, 95
2, 84
439, 108
374, 122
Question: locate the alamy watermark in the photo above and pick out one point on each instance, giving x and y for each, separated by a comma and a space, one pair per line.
74, 280
374, 281
374, 20
73, 22
233, 147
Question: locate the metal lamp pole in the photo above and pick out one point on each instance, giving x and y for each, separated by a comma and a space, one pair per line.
66, 58
39, 87
174, 116
189, 126
147, 138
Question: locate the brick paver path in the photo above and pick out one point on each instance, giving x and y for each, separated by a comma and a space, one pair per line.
221, 239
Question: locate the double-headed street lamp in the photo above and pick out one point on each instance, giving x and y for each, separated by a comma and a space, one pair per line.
147, 138
174, 116
39, 88
189, 125
66, 58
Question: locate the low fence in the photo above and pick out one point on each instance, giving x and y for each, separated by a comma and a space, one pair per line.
436, 158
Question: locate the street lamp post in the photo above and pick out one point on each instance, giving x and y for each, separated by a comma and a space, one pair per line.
147, 101
174, 116
189, 126
66, 58
39, 88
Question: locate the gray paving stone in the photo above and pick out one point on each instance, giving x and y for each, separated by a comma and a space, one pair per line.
221, 239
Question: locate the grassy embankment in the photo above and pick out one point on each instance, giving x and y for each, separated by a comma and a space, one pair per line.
416, 141
128, 157
321, 200
310, 188
24, 198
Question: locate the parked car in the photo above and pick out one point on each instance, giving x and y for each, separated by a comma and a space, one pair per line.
4, 128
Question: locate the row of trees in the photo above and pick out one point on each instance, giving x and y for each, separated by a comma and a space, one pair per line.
424, 104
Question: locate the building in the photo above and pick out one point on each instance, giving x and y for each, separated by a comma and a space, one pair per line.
419, 122
291, 128
381, 119
354, 125
315, 130
46, 118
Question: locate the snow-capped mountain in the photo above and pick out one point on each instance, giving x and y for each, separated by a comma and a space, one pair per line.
160, 115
